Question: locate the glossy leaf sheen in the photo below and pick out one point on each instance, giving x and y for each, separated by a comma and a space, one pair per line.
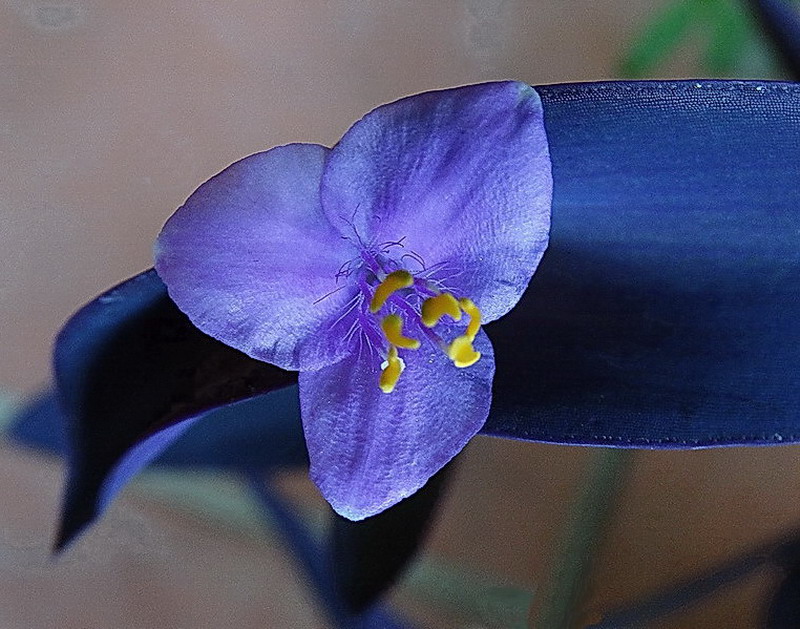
665, 312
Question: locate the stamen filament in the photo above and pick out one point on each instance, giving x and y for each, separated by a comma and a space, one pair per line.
372, 262
425, 287
474, 314
418, 301
395, 281
392, 326
413, 315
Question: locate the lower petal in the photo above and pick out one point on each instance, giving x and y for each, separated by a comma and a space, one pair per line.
369, 449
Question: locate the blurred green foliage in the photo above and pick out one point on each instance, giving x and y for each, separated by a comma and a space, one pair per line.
723, 36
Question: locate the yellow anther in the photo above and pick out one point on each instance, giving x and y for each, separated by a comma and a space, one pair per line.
393, 282
434, 308
462, 353
474, 314
392, 326
392, 369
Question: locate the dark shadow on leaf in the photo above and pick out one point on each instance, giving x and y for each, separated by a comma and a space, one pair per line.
604, 351
369, 556
133, 374
665, 312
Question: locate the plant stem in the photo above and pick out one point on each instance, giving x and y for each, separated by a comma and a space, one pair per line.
586, 524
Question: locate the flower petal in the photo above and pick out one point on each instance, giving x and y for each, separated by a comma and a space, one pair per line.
134, 374
461, 176
369, 449
250, 254
666, 311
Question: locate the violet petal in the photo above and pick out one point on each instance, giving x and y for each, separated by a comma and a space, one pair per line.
250, 256
368, 449
461, 176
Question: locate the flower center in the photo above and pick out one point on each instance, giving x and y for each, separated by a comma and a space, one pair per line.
400, 301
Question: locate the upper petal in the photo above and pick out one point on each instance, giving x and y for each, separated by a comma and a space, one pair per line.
369, 449
250, 256
461, 176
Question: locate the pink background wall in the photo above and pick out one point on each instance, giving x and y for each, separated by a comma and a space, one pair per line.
112, 113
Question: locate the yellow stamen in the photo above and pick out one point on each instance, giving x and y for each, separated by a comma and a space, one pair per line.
434, 308
461, 352
392, 326
474, 314
392, 369
393, 282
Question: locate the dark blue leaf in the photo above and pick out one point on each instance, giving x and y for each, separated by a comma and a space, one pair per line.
781, 20
318, 564
368, 556
666, 311
134, 374
40, 424
783, 611
261, 433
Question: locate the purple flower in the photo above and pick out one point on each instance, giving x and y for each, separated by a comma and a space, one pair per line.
370, 268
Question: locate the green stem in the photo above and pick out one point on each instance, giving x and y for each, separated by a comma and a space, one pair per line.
584, 531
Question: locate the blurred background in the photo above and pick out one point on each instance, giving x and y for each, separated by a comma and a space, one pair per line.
111, 114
